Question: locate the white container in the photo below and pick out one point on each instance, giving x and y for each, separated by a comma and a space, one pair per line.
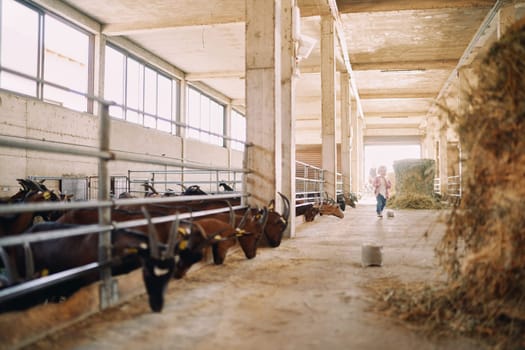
371, 254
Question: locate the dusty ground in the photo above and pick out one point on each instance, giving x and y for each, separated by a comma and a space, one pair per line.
309, 293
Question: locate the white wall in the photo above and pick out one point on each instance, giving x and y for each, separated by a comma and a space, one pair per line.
31, 118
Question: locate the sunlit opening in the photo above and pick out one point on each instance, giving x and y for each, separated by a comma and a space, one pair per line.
376, 155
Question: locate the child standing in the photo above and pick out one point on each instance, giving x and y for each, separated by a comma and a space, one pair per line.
381, 187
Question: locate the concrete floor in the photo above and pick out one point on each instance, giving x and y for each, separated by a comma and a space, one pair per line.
309, 293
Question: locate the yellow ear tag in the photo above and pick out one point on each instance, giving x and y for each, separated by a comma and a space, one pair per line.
258, 216
131, 251
182, 231
217, 237
46, 195
183, 245
239, 231
44, 272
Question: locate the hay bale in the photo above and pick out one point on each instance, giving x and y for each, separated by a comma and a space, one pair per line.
414, 201
415, 176
414, 184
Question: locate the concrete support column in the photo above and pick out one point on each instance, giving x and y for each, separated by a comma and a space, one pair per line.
443, 158
428, 142
99, 66
263, 100
360, 154
228, 128
183, 118
346, 134
287, 108
354, 170
329, 150
183, 110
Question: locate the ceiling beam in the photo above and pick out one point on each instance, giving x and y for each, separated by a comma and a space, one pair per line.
406, 65
395, 114
357, 6
239, 102
370, 126
412, 95
390, 131
215, 75
372, 95
130, 28
340, 33
393, 66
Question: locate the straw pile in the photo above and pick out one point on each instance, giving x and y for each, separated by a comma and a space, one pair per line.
483, 250
414, 185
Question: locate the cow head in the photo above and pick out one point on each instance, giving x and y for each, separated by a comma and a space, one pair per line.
277, 223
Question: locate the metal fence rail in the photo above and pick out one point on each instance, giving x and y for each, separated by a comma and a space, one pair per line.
454, 188
309, 182
177, 180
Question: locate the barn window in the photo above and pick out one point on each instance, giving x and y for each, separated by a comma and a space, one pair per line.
142, 94
35, 46
205, 118
238, 130
114, 81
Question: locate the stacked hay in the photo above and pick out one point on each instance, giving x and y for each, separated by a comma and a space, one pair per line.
483, 250
414, 184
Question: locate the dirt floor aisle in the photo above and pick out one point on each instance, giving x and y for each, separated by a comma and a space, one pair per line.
309, 293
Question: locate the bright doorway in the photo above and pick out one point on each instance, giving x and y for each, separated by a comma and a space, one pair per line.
386, 154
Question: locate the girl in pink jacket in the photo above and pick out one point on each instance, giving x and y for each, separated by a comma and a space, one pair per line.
381, 186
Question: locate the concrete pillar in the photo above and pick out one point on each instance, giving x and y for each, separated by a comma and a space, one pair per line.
329, 150
506, 17
99, 66
228, 128
354, 170
263, 100
360, 154
346, 134
443, 159
182, 108
287, 108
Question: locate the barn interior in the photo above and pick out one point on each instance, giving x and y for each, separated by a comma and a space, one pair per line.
299, 97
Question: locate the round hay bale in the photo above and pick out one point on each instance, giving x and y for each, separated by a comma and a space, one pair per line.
371, 254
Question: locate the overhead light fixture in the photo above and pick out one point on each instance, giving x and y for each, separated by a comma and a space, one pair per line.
304, 43
305, 47
403, 70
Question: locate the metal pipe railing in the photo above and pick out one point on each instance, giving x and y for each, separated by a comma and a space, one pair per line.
48, 146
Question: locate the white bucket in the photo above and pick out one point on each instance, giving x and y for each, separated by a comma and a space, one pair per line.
371, 254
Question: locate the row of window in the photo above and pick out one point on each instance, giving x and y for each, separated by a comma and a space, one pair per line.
40, 53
